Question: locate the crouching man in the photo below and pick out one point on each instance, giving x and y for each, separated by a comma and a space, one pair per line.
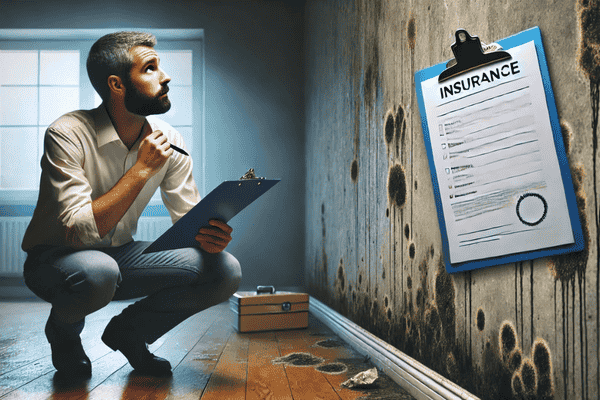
99, 170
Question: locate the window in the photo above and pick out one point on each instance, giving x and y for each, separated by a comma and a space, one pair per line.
43, 75
36, 87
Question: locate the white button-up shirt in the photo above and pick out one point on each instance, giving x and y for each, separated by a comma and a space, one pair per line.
83, 159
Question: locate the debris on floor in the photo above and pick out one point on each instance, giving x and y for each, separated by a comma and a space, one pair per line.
362, 379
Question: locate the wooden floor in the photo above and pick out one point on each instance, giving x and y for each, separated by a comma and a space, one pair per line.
210, 361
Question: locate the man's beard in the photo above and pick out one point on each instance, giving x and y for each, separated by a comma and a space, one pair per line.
140, 104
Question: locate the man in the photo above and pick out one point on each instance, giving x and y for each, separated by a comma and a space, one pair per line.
99, 170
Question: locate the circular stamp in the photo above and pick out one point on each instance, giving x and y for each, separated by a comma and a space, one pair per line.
532, 208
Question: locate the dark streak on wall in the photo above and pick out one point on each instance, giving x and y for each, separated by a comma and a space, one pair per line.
354, 171
488, 331
589, 63
568, 268
411, 32
480, 320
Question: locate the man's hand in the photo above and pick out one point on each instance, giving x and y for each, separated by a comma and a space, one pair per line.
215, 238
154, 150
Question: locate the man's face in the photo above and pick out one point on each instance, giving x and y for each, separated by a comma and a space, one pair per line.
146, 86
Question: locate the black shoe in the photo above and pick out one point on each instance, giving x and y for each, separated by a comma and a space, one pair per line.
122, 337
68, 356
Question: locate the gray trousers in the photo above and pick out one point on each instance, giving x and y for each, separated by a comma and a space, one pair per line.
173, 285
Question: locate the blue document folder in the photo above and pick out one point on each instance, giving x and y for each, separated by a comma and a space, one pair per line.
500, 175
223, 203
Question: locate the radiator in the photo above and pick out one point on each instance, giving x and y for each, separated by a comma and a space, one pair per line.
12, 258
150, 228
12, 230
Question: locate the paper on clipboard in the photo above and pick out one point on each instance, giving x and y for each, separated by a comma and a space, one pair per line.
496, 170
223, 203
489, 134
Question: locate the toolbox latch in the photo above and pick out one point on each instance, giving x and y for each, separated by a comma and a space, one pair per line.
287, 306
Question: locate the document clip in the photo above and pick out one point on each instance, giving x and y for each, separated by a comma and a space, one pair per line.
250, 175
470, 54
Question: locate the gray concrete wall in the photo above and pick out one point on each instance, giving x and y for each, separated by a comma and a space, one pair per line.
373, 244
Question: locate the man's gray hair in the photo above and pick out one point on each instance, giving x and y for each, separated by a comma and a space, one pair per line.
110, 56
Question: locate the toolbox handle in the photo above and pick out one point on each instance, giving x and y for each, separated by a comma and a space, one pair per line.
265, 289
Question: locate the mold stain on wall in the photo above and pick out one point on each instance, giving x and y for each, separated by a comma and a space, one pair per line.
568, 270
397, 186
409, 299
589, 63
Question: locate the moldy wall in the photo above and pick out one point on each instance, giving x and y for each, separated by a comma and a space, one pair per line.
373, 245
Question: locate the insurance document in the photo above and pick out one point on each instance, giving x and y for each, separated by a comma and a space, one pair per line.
496, 164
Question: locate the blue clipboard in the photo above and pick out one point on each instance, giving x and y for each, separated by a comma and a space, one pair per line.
223, 203
438, 71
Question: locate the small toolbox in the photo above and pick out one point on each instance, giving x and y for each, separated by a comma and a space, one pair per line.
266, 310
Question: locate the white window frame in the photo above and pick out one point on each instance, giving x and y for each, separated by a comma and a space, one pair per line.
179, 38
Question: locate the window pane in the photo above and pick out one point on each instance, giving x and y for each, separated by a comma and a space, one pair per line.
59, 67
178, 65
181, 106
18, 105
17, 161
18, 67
56, 101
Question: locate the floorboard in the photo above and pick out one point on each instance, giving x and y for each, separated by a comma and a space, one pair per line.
210, 360
228, 380
191, 375
265, 379
305, 381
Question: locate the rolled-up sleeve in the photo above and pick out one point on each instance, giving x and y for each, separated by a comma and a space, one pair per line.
178, 188
68, 190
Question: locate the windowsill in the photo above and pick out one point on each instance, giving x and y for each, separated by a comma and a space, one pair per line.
21, 197
22, 202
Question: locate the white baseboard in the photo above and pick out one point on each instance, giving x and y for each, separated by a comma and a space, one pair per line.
418, 380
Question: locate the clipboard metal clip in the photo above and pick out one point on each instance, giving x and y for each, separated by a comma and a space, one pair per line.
470, 54
250, 175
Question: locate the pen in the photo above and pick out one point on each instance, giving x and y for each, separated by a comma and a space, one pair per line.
179, 149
